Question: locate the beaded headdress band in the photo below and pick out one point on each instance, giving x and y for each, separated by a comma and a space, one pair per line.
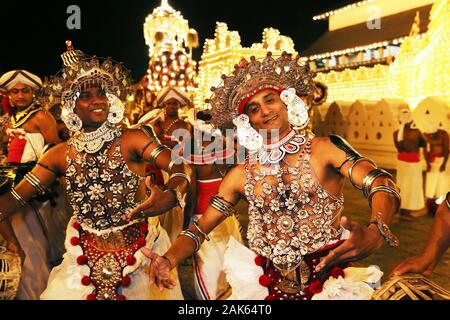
248, 78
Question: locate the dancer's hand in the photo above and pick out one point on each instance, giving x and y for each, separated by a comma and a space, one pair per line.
157, 203
419, 264
361, 243
159, 270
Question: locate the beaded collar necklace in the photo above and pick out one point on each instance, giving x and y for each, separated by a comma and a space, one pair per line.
92, 142
275, 152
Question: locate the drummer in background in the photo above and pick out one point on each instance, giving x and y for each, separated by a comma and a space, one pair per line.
29, 129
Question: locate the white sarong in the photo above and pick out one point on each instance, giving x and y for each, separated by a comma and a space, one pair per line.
437, 183
410, 182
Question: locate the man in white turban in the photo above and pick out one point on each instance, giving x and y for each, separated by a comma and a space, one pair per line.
172, 100
29, 129
408, 141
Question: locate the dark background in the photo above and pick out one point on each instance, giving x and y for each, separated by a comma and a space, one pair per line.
34, 33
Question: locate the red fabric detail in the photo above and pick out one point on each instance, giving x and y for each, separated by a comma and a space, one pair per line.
82, 260
76, 226
245, 100
158, 174
409, 156
144, 228
86, 281
260, 261
121, 297
431, 157
206, 190
16, 147
270, 297
141, 242
316, 286
91, 297
75, 241
131, 260
6, 105
336, 272
265, 280
126, 281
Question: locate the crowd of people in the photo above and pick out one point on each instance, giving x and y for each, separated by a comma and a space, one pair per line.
104, 209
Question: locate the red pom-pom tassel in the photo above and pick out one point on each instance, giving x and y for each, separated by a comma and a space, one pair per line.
91, 297
75, 241
86, 281
131, 260
76, 226
141, 242
82, 260
121, 297
126, 281
264, 280
260, 261
336, 272
316, 286
270, 297
144, 228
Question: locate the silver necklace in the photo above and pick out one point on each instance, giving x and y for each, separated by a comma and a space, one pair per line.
274, 153
92, 142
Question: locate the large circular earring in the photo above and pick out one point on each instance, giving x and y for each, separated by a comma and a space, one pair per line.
297, 109
247, 135
116, 109
72, 121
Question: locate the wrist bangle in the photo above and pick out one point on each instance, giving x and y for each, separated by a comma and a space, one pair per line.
179, 198
168, 260
201, 231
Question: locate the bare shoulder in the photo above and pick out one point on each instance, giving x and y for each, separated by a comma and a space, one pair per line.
235, 179
55, 157
322, 144
44, 115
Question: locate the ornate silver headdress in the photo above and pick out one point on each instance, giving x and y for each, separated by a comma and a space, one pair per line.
80, 71
250, 77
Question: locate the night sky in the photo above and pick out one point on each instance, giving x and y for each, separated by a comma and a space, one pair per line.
34, 33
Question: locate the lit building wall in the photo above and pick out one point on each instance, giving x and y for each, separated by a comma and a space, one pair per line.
420, 69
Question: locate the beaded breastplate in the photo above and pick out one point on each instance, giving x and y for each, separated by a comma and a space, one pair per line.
290, 214
101, 187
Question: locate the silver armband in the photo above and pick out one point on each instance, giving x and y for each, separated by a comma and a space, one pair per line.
155, 153
193, 236
370, 179
18, 198
182, 175
350, 170
35, 183
223, 206
387, 189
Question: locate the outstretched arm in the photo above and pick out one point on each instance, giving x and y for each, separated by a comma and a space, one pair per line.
190, 240
377, 185
437, 243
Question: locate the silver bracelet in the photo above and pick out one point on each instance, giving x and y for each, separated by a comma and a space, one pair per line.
224, 207
35, 183
181, 175
155, 153
387, 189
350, 170
207, 238
180, 199
18, 198
193, 236
370, 179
